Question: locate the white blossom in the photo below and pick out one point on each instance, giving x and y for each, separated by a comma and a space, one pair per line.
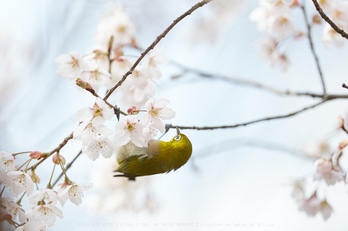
310, 205
70, 65
45, 212
18, 182
32, 226
95, 76
153, 60
325, 209
117, 24
72, 192
157, 110
99, 145
130, 129
13, 209
98, 114
327, 172
7, 162
47, 195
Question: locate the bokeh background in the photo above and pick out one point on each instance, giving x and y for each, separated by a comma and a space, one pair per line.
235, 179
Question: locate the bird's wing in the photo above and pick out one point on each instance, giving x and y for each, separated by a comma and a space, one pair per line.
131, 150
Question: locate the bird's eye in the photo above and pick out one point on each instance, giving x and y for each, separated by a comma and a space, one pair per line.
178, 137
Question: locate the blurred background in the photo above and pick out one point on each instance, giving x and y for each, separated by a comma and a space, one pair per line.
236, 178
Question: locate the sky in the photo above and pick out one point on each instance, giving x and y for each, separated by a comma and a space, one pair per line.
236, 178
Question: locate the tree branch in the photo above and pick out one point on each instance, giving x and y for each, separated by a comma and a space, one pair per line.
57, 149
246, 123
344, 85
256, 84
309, 36
159, 38
328, 20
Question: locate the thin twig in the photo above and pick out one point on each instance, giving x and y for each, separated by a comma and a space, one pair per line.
309, 36
66, 169
328, 20
344, 85
165, 32
256, 84
57, 149
247, 123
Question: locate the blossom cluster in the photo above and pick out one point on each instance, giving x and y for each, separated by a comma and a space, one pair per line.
327, 173
274, 17
43, 210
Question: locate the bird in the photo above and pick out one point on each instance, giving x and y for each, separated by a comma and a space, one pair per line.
159, 157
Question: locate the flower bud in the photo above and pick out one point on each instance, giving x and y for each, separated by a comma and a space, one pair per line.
37, 155
133, 111
316, 19
35, 178
57, 159
343, 144
84, 85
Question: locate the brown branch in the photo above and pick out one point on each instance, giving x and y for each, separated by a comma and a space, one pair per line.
309, 36
328, 20
57, 149
66, 169
344, 85
165, 32
257, 85
246, 123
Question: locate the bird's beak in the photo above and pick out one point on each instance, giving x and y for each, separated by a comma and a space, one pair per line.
177, 130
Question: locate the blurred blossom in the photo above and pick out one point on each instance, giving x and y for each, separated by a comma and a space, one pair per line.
316, 149
113, 195
327, 172
115, 23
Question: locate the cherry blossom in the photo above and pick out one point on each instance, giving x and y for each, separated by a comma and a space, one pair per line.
45, 212
327, 172
18, 182
87, 132
32, 226
152, 61
157, 110
325, 209
98, 114
130, 129
70, 65
72, 192
95, 76
99, 145
7, 162
274, 19
118, 68
13, 209
310, 205
117, 24
330, 36
47, 195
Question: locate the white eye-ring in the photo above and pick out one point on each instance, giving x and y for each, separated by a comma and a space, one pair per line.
178, 137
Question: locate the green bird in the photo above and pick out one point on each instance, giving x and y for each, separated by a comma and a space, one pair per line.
158, 157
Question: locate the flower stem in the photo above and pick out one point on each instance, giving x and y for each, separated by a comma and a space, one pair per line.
24, 164
20, 199
49, 183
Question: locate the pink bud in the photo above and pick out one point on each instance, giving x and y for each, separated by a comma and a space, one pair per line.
37, 155
316, 19
133, 111
343, 144
57, 159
